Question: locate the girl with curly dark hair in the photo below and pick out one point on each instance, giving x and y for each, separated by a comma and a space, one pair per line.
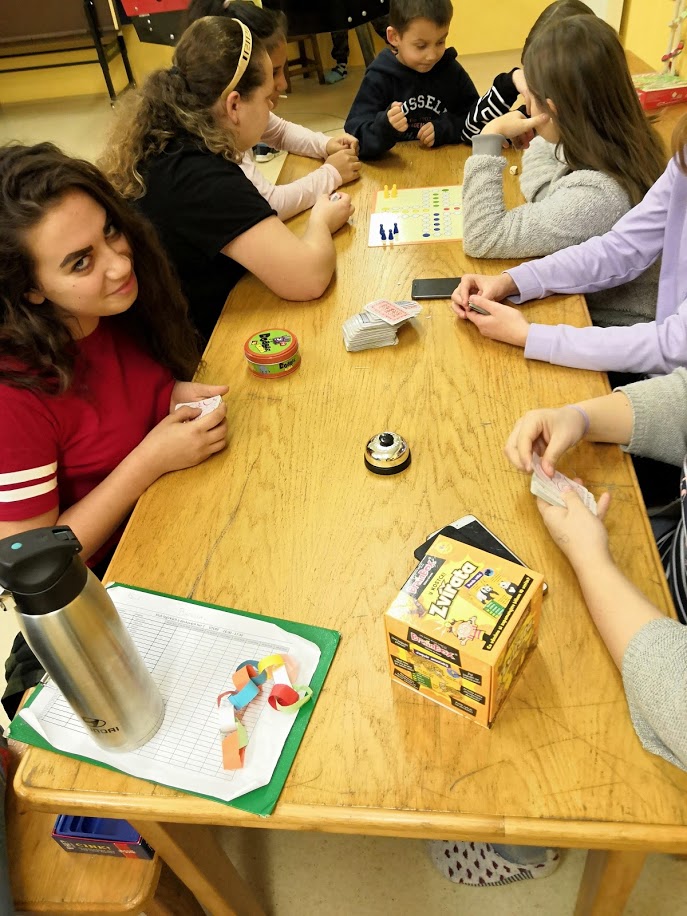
93, 333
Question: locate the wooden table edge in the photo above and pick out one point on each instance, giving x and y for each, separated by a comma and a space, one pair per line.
365, 821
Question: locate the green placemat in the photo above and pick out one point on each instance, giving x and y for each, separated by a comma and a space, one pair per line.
260, 801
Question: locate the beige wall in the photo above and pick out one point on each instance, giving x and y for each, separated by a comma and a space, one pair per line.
645, 29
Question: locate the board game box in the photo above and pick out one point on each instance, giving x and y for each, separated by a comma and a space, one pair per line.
656, 90
462, 627
412, 216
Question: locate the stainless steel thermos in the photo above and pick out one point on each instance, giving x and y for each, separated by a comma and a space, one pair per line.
73, 628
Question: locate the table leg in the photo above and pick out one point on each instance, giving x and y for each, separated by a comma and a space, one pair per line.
607, 882
194, 854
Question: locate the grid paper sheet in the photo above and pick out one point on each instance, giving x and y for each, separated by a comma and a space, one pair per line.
191, 652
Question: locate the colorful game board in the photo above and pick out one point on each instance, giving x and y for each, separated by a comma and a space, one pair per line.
412, 216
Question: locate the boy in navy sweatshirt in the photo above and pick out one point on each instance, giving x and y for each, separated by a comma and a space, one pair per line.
417, 90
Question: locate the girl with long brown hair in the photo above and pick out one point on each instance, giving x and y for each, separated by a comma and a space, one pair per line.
596, 156
175, 149
93, 335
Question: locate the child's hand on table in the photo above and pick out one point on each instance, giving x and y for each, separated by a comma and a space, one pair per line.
503, 322
175, 444
426, 135
549, 432
333, 213
396, 117
346, 164
344, 141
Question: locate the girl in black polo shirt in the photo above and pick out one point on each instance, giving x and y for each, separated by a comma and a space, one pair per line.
175, 149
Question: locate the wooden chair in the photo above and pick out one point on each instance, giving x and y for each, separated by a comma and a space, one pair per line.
303, 65
47, 879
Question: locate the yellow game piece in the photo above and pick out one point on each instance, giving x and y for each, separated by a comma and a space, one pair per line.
393, 191
386, 190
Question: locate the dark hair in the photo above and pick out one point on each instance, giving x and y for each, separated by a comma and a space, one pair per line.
38, 351
267, 25
579, 64
180, 101
556, 12
403, 12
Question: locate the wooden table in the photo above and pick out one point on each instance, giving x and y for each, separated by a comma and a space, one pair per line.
287, 521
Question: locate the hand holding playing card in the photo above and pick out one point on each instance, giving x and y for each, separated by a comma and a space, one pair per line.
503, 322
549, 433
186, 392
551, 489
581, 535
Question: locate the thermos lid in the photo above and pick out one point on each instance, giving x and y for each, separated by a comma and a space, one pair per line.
41, 568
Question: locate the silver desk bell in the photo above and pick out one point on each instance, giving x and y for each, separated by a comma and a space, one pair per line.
387, 453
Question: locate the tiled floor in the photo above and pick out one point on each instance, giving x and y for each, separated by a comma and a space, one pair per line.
296, 874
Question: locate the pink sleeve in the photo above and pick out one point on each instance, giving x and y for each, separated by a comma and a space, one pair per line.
29, 450
290, 199
294, 138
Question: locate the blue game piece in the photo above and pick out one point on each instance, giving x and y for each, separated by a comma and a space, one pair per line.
382, 232
395, 228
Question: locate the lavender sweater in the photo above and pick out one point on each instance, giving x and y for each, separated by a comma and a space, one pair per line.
657, 226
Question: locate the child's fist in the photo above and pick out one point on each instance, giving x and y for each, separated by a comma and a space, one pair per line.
426, 135
396, 117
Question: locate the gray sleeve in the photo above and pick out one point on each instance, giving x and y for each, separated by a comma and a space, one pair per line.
579, 206
660, 417
655, 679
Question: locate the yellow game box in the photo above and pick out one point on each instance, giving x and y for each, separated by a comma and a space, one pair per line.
462, 627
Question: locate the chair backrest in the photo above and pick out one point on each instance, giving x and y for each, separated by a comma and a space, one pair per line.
306, 17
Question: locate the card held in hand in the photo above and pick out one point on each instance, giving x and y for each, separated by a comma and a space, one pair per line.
550, 488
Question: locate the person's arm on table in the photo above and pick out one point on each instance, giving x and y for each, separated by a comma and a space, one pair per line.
170, 446
294, 268
296, 196
631, 246
650, 348
650, 649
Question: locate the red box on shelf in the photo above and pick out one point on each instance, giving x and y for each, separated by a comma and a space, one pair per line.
656, 90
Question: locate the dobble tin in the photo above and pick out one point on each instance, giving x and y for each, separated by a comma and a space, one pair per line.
272, 353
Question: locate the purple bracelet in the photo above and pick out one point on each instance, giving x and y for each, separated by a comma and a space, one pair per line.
585, 415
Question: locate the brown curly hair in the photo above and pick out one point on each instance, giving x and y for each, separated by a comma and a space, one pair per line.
181, 101
37, 350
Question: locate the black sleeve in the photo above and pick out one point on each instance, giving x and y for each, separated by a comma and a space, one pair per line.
494, 103
367, 120
214, 202
449, 126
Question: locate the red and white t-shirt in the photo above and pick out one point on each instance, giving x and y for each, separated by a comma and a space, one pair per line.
55, 449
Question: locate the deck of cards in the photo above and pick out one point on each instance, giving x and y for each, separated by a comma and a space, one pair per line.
550, 488
376, 326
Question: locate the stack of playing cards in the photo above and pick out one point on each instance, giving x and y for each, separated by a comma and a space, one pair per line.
549, 488
377, 325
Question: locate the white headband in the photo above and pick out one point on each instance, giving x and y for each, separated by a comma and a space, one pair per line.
244, 58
